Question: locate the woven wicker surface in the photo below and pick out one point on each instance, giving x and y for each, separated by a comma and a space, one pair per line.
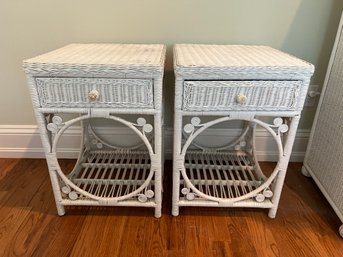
92, 57
324, 157
235, 58
109, 54
72, 92
221, 95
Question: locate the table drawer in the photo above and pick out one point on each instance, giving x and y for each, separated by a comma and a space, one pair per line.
95, 92
240, 95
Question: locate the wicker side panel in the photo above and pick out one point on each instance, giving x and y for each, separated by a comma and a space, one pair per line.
222, 95
326, 153
73, 92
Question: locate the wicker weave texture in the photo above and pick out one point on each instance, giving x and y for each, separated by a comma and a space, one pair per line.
99, 60
226, 59
222, 95
325, 153
74, 92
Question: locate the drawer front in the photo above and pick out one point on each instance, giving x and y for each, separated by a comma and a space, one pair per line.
240, 95
95, 92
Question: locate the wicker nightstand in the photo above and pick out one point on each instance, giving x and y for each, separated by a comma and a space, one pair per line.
118, 82
216, 84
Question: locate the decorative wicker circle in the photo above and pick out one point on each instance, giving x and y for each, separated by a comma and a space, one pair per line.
149, 193
185, 191
141, 121
195, 121
268, 193
190, 196
189, 128
278, 121
73, 195
57, 120
147, 128
66, 189
142, 198
52, 127
260, 198
283, 128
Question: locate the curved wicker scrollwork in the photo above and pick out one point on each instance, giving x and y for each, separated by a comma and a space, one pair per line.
230, 174
108, 175
99, 142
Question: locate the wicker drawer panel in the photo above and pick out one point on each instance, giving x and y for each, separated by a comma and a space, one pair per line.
240, 95
74, 92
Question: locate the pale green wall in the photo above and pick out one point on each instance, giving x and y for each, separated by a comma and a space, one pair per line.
305, 28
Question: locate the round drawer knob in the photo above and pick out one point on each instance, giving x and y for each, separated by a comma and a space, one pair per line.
93, 95
241, 99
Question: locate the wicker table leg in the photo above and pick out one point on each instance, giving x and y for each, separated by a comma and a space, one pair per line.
283, 164
177, 162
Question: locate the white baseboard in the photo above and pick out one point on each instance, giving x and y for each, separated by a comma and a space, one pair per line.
23, 141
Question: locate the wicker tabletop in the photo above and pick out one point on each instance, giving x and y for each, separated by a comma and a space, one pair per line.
204, 59
76, 58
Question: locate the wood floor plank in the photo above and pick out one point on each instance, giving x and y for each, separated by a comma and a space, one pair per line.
197, 240
3, 194
298, 216
59, 238
105, 239
7, 165
263, 239
20, 188
240, 238
305, 224
38, 224
11, 220
91, 235
22, 182
153, 238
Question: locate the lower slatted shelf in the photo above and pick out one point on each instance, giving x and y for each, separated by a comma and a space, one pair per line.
224, 175
111, 174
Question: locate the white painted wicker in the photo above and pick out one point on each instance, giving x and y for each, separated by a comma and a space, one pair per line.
222, 95
324, 154
101, 81
225, 83
73, 92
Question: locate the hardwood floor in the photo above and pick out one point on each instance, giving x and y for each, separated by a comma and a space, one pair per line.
305, 224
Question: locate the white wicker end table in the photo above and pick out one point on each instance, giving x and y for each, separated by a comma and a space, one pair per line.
121, 83
216, 84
